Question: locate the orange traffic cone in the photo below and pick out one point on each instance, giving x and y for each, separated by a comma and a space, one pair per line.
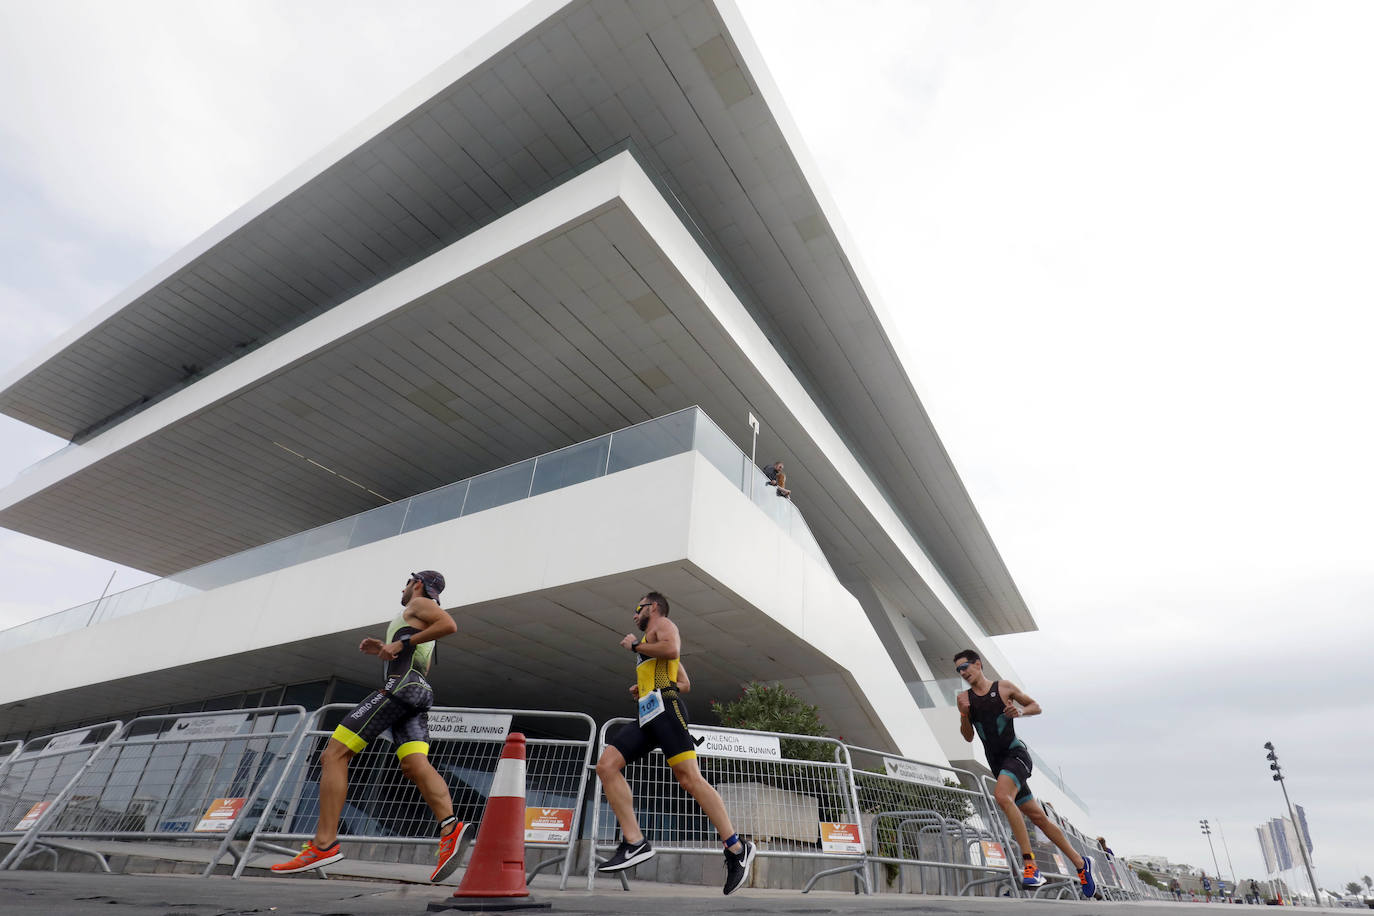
497, 866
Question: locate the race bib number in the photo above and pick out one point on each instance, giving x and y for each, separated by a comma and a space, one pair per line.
650, 706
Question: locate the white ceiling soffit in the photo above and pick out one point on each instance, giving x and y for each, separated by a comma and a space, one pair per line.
550, 91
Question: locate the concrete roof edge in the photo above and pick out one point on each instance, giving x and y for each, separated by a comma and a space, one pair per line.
478, 52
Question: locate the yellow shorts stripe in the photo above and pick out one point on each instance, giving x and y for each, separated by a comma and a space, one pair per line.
412, 747
678, 758
350, 740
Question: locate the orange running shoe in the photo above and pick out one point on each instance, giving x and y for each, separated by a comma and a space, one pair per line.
310, 858
451, 849
1031, 876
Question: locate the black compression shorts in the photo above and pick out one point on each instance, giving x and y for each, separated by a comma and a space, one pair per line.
402, 706
1016, 763
667, 731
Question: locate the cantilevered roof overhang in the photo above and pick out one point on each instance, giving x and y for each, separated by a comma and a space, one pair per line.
588, 309
556, 88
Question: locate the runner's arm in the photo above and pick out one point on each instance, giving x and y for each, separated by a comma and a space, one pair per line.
1015, 695
965, 726
661, 640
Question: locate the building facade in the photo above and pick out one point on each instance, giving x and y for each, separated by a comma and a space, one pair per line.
532, 324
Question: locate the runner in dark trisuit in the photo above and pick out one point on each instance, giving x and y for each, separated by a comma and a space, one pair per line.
991, 708
662, 723
402, 705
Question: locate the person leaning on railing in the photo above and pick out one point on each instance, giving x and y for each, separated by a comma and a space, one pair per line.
776, 478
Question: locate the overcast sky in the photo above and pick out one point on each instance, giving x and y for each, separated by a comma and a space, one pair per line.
1127, 249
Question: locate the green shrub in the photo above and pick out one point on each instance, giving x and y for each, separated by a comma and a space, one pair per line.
774, 708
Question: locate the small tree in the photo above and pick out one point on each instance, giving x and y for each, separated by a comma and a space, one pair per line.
1149, 878
774, 708
1352, 888
1368, 882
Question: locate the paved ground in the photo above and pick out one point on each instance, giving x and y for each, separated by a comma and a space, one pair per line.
31, 893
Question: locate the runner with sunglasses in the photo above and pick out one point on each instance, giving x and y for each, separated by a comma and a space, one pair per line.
401, 706
661, 723
991, 708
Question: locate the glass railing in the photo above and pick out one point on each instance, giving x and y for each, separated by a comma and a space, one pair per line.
944, 692
686, 430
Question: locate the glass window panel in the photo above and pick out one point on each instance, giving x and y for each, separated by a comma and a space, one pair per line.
211, 575
276, 555
712, 442
574, 464
162, 591
670, 435
436, 506
310, 696
325, 540
920, 694
230, 701
498, 487
378, 524
126, 602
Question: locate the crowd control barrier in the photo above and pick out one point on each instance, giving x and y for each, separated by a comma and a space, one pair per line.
9, 750
935, 821
793, 795
1061, 878
39, 777
384, 807
190, 776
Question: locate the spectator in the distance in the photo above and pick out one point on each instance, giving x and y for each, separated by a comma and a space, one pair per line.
776, 478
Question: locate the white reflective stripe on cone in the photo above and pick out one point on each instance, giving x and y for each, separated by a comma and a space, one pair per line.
509, 780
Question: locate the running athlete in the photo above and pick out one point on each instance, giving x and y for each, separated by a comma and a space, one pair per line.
402, 705
662, 723
991, 707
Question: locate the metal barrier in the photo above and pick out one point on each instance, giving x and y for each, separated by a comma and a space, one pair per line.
935, 818
9, 750
39, 778
193, 776
382, 806
792, 795
1061, 879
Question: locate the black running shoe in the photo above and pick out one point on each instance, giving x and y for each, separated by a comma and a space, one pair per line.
737, 866
627, 855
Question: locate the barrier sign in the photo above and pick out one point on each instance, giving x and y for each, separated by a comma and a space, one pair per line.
728, 744
65, 742
470, 725
1059, 862
911, 771
994, 854
841, 838
206, 726
548, 825
32, 817
220, 815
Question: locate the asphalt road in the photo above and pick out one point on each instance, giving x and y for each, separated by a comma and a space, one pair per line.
41, 893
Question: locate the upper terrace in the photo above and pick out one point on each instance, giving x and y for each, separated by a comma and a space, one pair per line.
543, 96
637, 445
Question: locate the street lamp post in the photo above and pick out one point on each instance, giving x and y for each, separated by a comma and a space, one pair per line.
1273, 759
1207, 832
1222, 833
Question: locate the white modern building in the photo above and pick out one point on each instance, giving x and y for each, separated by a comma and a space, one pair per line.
514, 327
